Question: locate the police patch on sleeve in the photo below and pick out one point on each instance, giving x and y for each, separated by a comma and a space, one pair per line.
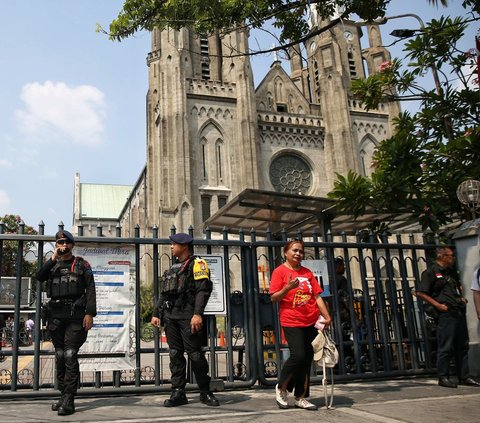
200, 269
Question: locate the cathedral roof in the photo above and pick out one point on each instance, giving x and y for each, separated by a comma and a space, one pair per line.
279, 88
102, 200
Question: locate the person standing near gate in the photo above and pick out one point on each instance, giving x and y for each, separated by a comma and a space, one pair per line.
184, 292
71, 288
297, 291
440, 287
29, 327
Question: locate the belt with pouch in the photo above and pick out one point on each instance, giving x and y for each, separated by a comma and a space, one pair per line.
66, 308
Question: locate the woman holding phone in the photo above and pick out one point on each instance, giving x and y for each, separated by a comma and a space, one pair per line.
297, 291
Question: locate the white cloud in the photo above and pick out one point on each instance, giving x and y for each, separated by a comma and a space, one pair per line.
55, 110
5, 163
4, 202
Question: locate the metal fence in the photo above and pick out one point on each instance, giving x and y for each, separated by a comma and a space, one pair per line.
383, 334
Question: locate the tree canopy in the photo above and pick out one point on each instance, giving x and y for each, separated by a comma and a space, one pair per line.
11, 225
291, 18
211, 16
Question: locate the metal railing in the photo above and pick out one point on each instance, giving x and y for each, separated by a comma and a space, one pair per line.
385, 333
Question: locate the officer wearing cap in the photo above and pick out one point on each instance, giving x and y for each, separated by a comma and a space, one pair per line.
70, 286
184, 292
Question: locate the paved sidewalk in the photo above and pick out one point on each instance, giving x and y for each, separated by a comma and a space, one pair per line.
415, 400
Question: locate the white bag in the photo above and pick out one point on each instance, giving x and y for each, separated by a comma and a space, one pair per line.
324, 349
325, 353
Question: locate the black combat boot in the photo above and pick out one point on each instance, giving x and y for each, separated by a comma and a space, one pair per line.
209, 399
67, 407
58, 404
177, 398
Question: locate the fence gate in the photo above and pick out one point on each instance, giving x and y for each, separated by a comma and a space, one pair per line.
378, 323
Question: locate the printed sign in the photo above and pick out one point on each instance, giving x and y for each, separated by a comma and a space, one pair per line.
319, 269
114, 272
217, 304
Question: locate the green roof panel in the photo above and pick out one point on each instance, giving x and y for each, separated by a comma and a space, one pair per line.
98, 201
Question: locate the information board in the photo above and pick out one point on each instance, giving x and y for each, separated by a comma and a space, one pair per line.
114, 272
217, 303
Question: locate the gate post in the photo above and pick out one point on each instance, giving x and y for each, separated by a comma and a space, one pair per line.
467, 242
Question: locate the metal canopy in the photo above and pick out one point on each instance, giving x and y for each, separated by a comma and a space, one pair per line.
276, 211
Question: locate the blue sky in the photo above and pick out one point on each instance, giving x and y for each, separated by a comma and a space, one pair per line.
73, 101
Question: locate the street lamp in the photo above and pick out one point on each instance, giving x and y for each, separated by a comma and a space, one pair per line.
468, 193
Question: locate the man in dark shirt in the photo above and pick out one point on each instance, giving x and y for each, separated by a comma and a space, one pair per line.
71, 309
342, 289
184, 292
441, 288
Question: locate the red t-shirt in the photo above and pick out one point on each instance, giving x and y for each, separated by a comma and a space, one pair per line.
299, 307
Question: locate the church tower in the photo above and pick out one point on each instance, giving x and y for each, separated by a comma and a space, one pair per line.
333, 60
201, 138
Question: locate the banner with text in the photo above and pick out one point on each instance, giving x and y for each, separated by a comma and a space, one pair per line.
114, 272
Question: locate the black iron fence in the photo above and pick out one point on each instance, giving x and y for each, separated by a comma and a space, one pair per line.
379, 326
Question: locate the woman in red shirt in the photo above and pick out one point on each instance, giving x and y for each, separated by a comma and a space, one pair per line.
298, 292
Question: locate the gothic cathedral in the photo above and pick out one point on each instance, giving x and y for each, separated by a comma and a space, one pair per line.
211, 133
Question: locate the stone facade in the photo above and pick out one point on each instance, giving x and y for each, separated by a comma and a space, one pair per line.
211, 134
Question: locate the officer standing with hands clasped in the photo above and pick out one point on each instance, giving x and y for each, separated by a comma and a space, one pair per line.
184, 292
440, 287
69, 313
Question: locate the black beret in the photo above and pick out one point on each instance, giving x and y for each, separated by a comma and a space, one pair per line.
181, 238
64, 234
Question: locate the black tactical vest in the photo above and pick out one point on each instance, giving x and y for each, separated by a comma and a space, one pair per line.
67, 282
173, 281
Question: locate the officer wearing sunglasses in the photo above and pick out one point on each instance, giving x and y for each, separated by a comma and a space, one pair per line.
71, 288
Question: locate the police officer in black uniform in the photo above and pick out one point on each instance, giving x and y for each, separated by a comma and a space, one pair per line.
440, 287
184, 292
69, 313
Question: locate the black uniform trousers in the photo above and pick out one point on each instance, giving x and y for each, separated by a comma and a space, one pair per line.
180, 339
452, 339
68, 335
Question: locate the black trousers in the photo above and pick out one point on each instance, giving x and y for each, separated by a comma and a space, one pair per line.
296, 370
452, 339
181, 340
67, 337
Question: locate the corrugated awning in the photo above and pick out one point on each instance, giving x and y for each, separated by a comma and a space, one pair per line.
277, 212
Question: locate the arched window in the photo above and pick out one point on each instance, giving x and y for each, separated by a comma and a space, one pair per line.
219, 161
203, 145
204, 58
210, 154
367, 148
206, 202
351, 64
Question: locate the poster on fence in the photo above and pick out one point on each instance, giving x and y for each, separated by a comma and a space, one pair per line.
113, 267
217, 304
319, 269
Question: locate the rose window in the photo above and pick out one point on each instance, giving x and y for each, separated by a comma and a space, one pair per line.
291, 174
